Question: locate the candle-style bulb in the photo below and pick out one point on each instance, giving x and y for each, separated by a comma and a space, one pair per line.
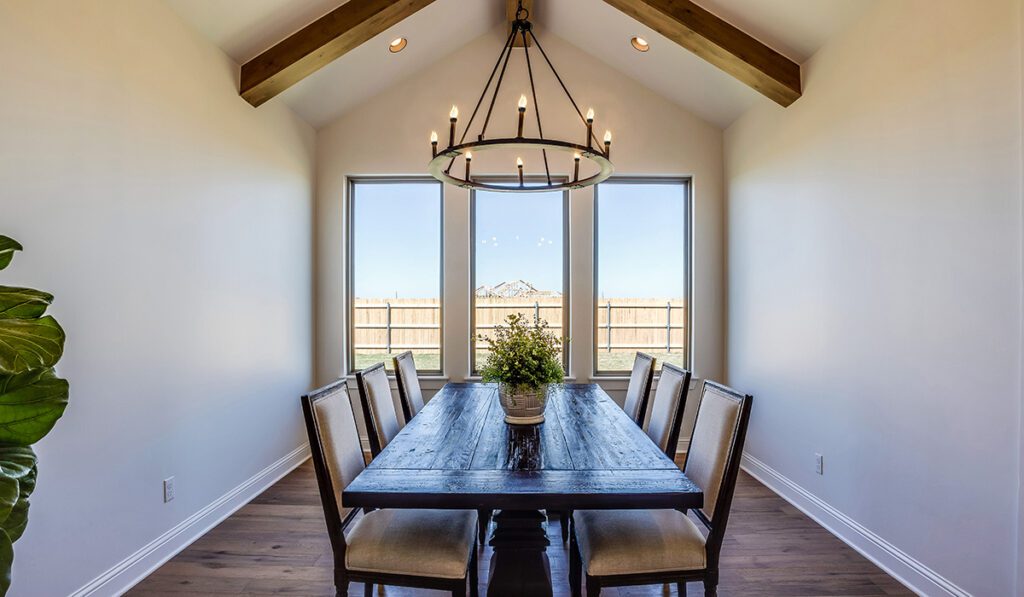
454, 113
433, 136
590, 115
576, 156
607, 137
469, 155
522, 102
519, 162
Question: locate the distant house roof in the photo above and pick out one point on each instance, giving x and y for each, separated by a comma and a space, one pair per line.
515, 289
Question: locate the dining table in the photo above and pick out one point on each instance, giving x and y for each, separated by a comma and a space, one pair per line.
459, 453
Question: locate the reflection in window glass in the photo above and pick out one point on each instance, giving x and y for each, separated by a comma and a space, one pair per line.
642, 273
519, 261
395, 261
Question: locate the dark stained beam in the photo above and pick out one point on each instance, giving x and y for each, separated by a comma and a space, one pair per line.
319, 43
511, 6
721, 44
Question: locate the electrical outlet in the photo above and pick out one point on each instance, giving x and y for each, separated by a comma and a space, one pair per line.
819, 464
168, 489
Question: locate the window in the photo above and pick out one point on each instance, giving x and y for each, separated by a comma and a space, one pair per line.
641, 272
394, 268
519, 261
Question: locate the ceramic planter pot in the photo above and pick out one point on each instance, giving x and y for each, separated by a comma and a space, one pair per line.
523, 407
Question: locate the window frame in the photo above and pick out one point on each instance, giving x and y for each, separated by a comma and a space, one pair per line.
687, 183
566, 260
351, 183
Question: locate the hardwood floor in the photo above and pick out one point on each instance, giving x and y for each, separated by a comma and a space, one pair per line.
277, 545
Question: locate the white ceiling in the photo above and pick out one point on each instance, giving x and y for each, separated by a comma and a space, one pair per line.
796, 28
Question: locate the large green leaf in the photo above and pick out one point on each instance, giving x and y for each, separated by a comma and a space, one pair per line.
17, 521
23, 303
6, 560
17, 481
30, 405
7, 248
27, 344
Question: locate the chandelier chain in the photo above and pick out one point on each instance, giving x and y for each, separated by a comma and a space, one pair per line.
560, 82
536, 104
483, 94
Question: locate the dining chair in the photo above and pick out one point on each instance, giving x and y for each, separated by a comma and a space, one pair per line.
408, 384
639, 387
667, 406
642, 547
382, 422
428, 549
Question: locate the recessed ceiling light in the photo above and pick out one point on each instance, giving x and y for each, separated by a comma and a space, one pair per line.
397, 45
640, 44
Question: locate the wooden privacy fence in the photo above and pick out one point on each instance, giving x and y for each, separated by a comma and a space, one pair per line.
623, 325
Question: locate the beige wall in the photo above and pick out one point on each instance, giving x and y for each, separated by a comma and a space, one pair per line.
389, 135
875, 285
171, 221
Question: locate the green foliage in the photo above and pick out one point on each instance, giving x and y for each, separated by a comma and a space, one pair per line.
32, 398
523, 356
7, 248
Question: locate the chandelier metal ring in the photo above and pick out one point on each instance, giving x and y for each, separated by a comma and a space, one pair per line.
439, 167
443, 160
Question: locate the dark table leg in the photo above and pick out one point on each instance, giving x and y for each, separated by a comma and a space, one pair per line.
519, 565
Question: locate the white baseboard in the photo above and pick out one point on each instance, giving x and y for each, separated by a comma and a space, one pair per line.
911, 573
143, 562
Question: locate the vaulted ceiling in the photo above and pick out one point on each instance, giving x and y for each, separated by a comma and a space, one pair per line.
796, 28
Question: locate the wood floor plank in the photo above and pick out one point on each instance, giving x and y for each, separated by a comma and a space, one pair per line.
278, 545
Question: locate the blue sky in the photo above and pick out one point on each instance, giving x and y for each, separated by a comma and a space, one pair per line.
520, 236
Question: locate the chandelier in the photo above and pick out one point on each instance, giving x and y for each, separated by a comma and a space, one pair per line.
444, 160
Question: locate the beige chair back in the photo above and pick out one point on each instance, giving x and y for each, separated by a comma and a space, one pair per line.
382, 422
334, 443
666, 412
408, 385
716, 433
639, 387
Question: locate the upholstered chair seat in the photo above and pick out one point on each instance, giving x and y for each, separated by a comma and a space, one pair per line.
615, 542
430, 549
636, 547
434, 543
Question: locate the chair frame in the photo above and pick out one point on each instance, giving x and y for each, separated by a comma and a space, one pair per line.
403, 394
336, 525
364, 401
716, 530
677, 421
645, 390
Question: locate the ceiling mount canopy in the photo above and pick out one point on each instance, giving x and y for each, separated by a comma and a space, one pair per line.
599, 153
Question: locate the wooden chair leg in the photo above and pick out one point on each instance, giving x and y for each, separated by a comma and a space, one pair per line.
682, 588
484, 520
575, 568
565, 517
710, 588
460, 589
340, 581
474, 575
593, 587
368, 589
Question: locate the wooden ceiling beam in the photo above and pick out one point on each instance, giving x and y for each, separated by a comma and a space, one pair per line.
721, 44
319, 43
511, 6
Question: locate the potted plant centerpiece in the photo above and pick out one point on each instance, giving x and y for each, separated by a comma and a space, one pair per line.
523, 360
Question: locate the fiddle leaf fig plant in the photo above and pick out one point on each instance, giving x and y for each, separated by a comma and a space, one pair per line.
32, 398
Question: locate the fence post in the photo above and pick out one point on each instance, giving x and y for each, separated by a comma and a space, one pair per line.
668, 327
387, 327
536, 311
608, 325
